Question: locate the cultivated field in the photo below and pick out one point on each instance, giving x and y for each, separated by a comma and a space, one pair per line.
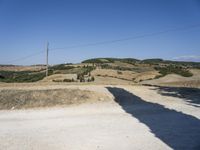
21, 68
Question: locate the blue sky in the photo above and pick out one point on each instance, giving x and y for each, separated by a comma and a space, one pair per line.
26, 25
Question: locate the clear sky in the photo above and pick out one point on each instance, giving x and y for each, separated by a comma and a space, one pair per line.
26, 25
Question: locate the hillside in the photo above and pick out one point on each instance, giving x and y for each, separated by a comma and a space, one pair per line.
102, 71
153, 61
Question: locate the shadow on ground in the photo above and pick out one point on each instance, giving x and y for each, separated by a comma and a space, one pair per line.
179, 131
190, 95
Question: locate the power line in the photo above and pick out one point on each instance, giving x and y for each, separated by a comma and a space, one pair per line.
129, 38
25, 57
111, 41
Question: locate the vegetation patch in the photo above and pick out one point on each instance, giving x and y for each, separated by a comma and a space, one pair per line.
96, 60
111, 60
173, 69
22, 76
61, 67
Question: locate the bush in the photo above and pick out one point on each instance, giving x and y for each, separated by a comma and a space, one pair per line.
2, 77
67, 80
119, 72
82, 80
92, 79
86, 71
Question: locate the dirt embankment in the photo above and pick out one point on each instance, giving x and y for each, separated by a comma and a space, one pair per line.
19, 99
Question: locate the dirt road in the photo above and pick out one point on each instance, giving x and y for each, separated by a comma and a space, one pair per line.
137, 118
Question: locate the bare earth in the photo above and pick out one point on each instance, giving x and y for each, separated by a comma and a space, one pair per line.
132, 117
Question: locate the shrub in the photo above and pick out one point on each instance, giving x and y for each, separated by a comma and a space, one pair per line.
2, 77
92, 79
119, 72
67, 80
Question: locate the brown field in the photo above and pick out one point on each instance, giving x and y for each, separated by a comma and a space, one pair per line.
125, 75
177, 80
22, 68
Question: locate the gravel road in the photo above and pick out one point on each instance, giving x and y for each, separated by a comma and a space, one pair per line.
137, 118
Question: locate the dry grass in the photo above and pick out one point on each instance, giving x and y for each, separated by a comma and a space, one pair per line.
125, 75
59, 77
177, 80
18, 99
21, 68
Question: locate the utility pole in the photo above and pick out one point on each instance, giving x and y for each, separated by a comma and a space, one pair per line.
47, 55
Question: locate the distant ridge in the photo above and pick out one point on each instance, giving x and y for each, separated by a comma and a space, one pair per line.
110, 60
145, 61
